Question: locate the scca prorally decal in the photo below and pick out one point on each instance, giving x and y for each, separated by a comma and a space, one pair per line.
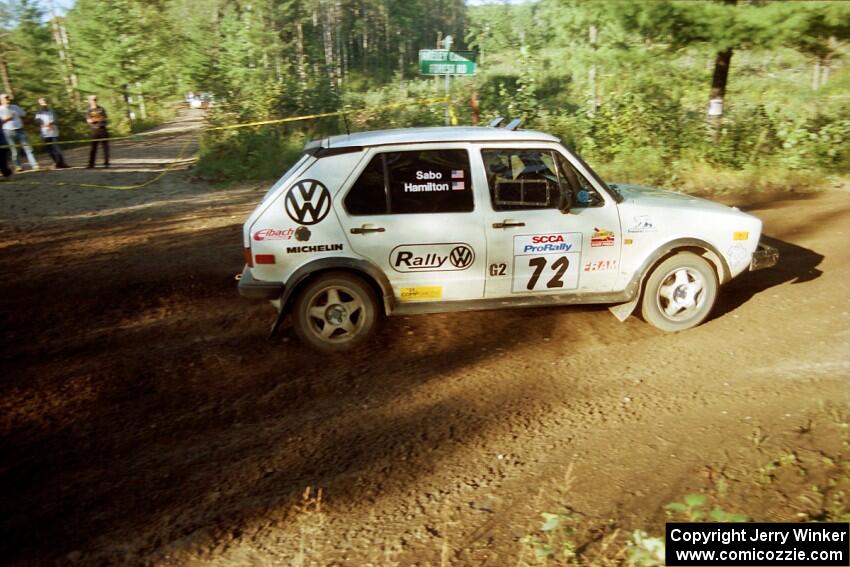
308, 202
547, 243
314, 248
546, 262
446, 257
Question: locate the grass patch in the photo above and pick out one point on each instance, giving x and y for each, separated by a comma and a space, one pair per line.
248, 155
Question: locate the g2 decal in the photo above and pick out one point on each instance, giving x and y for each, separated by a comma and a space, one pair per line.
498, 269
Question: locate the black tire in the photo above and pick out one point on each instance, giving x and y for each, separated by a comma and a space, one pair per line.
335, 312
679, 293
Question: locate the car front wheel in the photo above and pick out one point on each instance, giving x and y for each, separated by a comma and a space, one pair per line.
680, 293
335, 312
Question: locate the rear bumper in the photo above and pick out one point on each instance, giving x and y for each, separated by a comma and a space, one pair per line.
256, 289
764, 257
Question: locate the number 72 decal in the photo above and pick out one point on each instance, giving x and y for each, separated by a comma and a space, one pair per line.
559, 266
546, 262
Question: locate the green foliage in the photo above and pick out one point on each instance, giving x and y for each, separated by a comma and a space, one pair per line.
249, 154
694, 510
646, 551
554, 539
626, 86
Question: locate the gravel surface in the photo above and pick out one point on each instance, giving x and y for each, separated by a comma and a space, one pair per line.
145, 418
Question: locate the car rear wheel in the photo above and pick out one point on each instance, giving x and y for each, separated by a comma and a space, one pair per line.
335, 312
680, 293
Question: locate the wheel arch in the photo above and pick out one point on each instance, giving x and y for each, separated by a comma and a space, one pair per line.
701, 248
370, 273
693, 245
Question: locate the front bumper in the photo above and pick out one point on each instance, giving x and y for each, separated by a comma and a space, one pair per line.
764, 257
256, 289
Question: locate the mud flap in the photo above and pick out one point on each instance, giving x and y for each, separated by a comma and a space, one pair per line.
622, 311
276, 325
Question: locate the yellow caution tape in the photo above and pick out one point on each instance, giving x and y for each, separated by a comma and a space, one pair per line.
179, 159
140, 135
153, 179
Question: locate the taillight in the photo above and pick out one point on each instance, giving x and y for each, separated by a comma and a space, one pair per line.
249, 260
265, 258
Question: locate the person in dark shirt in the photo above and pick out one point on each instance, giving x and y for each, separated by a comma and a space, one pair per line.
96, 118
4, 157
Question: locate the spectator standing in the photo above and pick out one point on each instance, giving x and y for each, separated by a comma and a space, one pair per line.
46, 119
96, 118
4, 157
11, 115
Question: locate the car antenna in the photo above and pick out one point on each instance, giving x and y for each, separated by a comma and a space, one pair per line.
495, 122
512, 125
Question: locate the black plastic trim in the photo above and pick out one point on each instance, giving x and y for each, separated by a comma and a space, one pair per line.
251, 288
764, 257
328, 152
525, 301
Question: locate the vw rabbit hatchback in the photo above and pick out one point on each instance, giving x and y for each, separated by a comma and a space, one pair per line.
430, 220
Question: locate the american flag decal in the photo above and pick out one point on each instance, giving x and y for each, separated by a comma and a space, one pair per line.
457, 186
457, 174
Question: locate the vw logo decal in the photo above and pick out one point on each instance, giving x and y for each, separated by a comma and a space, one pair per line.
461, 256
308, 202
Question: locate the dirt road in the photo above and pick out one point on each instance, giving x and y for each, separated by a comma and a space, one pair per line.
144, 417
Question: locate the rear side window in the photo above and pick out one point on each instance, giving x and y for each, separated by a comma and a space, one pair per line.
413, 182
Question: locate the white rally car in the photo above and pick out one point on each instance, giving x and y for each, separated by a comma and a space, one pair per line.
429, 220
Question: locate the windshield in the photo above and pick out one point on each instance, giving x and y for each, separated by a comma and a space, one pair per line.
604, 186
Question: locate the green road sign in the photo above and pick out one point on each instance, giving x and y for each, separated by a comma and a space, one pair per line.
444, 62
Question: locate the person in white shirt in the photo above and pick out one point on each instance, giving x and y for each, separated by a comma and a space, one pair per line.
46, 119
11, 116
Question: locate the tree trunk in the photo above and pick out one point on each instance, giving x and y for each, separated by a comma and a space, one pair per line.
718, 83
824, 72
717, 95
72, 72
125, 94
143, 112
593, 33
4, 75
816, 74
299, 52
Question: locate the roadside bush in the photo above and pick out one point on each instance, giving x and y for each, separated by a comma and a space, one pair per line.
249, 154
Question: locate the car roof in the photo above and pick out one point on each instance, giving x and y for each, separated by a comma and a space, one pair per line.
431, 134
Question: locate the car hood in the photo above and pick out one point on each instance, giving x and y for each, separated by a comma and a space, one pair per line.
652, 196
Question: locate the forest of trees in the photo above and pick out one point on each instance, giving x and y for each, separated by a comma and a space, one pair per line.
649, 89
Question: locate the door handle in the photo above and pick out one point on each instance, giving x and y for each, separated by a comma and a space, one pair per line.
365, 229
507, 224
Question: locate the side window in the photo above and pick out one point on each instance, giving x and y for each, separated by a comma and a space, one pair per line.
584, 195
522, 179
411, 182
368, 195
429, 181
